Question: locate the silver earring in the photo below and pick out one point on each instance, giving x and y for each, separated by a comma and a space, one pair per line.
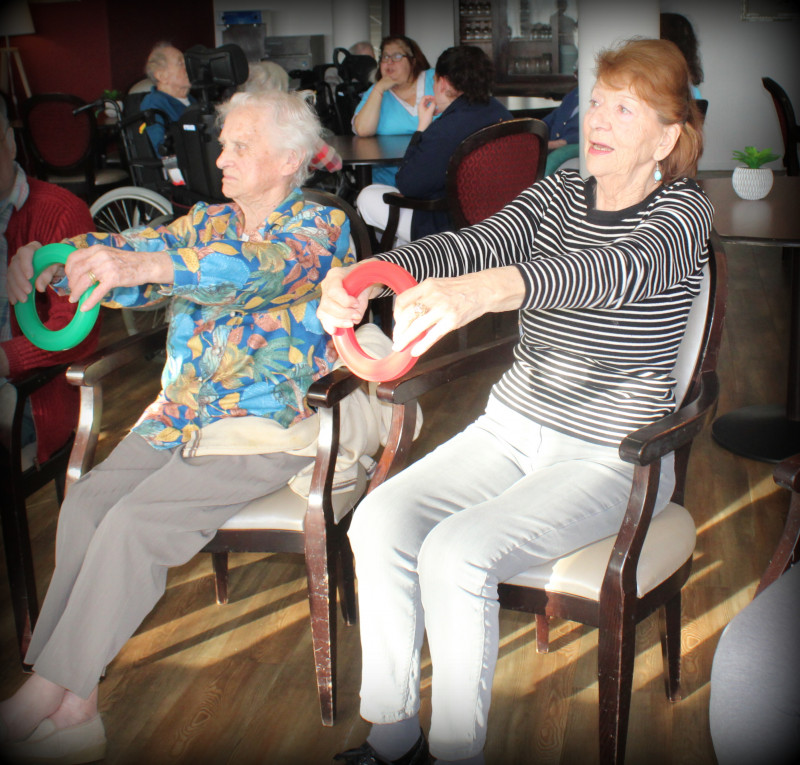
657, 174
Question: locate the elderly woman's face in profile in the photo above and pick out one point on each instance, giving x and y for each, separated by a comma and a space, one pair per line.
250, 163
621, 133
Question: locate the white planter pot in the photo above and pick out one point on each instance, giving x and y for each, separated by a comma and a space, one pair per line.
752, 182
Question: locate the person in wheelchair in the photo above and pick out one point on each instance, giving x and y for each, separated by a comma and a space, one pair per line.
244, 346
170, 94
603, 272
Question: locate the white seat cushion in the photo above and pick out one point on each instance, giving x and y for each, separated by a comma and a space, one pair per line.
670, 541
285, 510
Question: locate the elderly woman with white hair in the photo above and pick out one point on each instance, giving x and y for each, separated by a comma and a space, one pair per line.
244, 345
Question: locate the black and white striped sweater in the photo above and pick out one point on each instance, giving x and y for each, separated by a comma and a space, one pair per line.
607, 298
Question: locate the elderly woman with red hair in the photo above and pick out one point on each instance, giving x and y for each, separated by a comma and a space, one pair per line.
603, 271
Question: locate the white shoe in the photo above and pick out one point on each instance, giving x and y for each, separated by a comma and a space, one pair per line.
85, 742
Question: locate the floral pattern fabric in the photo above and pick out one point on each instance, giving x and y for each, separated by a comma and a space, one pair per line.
244, 338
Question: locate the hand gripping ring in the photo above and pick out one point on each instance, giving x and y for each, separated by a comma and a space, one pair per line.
29, 321
360, 363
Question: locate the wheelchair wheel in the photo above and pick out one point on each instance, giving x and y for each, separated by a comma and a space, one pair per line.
129, 206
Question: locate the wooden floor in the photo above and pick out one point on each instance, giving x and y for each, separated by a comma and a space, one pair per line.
202, 683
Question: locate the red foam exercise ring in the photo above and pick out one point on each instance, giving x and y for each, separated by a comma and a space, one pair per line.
357, 360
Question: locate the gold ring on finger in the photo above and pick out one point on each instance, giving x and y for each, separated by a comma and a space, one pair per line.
92, 277
420, 310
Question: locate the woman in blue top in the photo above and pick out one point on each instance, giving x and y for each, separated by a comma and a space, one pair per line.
463, 103
390, 106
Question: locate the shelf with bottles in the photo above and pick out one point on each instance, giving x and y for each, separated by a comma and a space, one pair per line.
475, 25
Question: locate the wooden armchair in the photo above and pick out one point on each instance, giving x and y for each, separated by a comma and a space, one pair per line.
616, 582
282, 521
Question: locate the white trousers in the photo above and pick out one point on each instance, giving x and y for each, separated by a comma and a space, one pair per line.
432, 544
375, 212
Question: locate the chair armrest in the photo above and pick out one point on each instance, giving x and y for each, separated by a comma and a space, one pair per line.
32, 380
332, 388
395, 199
426, 376
668, 434
787, 473
94, 368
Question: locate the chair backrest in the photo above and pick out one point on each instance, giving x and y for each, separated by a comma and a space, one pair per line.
492, 166
789, 129
59, 142
698, 352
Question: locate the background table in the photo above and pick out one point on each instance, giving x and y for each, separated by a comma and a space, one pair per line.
766, 432
362, 154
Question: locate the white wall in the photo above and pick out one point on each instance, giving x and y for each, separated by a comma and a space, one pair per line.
735, 56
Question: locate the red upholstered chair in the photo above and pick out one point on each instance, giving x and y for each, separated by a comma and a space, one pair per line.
62, 146
790, 131
486, 172
488, 169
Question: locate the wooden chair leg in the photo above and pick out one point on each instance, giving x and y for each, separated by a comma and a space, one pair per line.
19, 564
615, 655
321, 585
219, 562
347, 583
542, 633
671, 646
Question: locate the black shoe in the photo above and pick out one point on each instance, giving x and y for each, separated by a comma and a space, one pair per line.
366, 755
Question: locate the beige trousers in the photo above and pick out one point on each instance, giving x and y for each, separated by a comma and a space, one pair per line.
121, 526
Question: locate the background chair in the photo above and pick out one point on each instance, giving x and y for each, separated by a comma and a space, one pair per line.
20, 476
487, 170
754, 704
282, 521
616, 582
790, 131
63, 146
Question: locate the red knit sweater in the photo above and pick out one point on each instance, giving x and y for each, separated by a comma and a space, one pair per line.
50, 214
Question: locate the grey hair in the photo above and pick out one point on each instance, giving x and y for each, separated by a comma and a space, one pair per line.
296, 125
266, 75
156, 60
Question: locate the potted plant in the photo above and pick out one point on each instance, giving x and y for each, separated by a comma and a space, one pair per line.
751, 180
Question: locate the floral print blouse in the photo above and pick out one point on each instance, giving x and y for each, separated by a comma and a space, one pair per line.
244, 338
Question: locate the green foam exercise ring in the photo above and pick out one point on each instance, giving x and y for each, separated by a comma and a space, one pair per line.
29, 321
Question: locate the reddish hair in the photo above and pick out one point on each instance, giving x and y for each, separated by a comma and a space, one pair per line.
657, 72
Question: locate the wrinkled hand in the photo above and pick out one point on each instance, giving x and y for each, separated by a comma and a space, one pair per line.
20, 273
452, 303
110, 268
337, 308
